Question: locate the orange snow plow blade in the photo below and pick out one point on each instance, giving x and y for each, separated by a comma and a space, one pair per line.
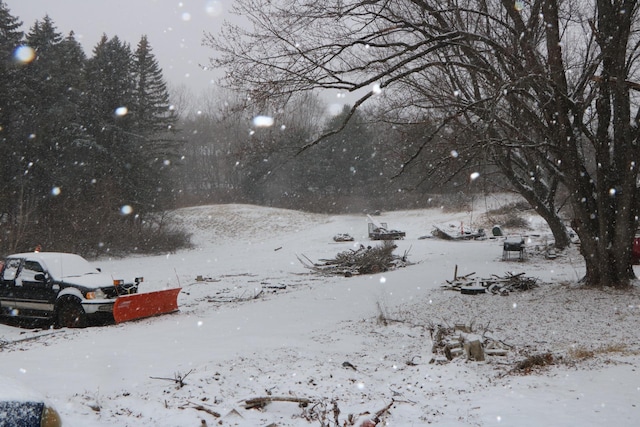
139, 306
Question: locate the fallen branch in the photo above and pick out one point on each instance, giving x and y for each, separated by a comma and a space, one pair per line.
202, 408
261, 402
382, 411
178, 379
241, 298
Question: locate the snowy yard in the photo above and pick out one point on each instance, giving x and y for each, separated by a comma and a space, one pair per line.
259, 325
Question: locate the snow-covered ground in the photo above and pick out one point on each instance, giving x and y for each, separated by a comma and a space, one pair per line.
261, 325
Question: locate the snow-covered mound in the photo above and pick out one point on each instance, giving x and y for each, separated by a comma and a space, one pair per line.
227, 222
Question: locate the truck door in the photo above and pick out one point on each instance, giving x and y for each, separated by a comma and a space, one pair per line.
7, 284
34, 294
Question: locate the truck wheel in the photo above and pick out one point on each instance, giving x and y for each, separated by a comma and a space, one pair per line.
70, 314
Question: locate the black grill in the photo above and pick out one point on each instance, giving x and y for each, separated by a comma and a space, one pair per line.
113, 292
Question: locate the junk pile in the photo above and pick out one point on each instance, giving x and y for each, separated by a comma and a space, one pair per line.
457, 232
343, 237
462, 341
364, 260
495, 284
381, 231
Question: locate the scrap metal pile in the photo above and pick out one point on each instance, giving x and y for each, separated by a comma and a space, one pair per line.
364, 260
495, 284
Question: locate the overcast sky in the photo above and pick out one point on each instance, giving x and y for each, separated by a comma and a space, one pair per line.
174, 28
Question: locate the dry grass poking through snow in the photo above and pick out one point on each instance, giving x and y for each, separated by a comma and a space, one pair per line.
572, 323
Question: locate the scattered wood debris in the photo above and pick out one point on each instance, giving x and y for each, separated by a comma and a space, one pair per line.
364, 260
349, 365
200, 407
277, 286
261, 402
178, 379
328, 413
495, 284
462, 341
532, 362
220, 297
528, 364
201, 278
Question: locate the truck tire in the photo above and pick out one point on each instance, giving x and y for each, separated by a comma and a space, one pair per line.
70, 314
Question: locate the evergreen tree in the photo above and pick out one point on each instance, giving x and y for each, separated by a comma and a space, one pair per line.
11, 116
52, 87
69, 146
110, 88
153, 113
154, 121
32, 154
43, 90
70, 60
108, 100
10, 39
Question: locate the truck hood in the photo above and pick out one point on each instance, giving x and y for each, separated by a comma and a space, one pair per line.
88, 280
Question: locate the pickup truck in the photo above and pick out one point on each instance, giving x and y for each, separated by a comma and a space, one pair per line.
61, 287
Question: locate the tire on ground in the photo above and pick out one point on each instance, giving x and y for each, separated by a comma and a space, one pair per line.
69, 313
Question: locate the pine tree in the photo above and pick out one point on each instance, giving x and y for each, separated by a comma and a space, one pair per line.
70, 131
53, 83
69, 174
154, 122
110, 88
108, 100
153, 115
10, 39
11, 116
31, 155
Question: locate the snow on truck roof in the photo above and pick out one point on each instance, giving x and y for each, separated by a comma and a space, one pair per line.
59, 264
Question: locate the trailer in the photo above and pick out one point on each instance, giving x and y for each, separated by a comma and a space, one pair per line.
380, 231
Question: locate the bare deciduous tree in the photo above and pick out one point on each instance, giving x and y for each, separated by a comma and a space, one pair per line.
545, 85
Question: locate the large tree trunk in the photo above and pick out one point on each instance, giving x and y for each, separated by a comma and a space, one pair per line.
607, 252
605, 200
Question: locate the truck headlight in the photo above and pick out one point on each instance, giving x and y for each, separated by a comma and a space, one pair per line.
97, 294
